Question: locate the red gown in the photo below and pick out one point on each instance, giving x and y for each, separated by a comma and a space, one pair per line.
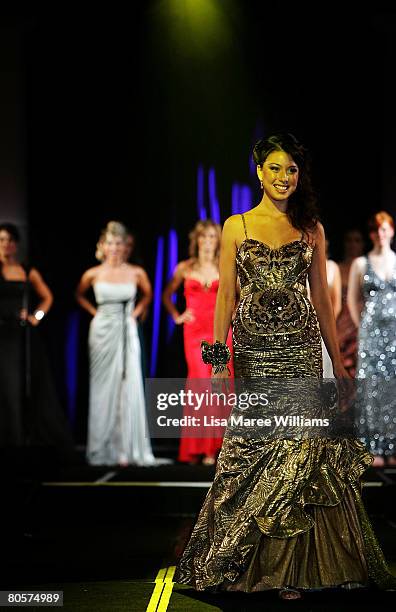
201, 301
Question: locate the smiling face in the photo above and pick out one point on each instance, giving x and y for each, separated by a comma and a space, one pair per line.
208, 241
113, 248
279, 174
8, 246
383, 235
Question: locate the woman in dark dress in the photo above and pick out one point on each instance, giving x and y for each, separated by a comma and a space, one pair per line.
29, 409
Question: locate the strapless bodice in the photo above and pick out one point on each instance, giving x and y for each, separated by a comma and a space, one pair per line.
113, 298
274, 305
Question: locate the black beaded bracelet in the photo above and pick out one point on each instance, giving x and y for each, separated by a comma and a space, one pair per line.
217, 355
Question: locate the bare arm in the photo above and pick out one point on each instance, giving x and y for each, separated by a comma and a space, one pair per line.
85, 283
173, 285
336, 291
354, 296
43, 292
320, 298
225, 301
237, 298
146, 291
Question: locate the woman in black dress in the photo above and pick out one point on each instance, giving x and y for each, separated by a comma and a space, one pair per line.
29, 409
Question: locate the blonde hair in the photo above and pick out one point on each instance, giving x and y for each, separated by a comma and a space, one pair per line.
199, 229
114, 228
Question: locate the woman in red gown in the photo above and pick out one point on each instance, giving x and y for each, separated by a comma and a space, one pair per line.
200, 275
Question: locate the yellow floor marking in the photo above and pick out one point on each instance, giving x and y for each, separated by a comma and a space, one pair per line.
162, 591
167, 592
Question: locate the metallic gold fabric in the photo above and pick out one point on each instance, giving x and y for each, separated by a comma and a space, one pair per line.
275, 332
281, 512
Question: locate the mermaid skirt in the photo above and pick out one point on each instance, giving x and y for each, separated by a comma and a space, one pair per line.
289, 514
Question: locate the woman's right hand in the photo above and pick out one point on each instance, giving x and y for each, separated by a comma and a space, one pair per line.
224, 374
220, 381
186, 317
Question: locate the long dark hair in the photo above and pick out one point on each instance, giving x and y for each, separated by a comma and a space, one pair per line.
302, 209
12, 230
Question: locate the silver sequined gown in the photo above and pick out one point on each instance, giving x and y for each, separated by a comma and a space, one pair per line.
376, 367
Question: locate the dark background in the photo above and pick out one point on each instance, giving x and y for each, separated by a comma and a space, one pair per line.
117, 108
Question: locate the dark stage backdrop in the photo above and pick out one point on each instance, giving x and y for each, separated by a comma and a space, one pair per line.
122, 108
12, 126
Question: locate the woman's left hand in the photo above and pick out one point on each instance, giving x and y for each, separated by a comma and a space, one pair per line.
339, 371
137, 313
140, 311
32, 320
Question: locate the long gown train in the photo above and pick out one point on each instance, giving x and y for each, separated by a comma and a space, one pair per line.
282, 512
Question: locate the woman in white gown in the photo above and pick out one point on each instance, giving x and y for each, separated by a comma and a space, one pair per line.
335, 289
117, 422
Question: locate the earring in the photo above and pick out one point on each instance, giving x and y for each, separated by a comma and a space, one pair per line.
261, 185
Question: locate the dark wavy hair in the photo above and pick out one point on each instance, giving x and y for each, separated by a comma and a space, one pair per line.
302, 209
12, 230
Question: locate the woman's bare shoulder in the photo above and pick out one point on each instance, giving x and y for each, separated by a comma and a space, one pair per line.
233, 220
34, 273
233, 225
318, 232
332, 265
136, 270
185, 266
359, 264
92, 272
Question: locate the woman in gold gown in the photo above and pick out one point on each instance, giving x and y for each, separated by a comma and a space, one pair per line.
282, 513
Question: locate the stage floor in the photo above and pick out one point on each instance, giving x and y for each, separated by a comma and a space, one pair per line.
110, 538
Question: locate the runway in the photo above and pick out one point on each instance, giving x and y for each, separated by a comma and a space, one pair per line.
109, 538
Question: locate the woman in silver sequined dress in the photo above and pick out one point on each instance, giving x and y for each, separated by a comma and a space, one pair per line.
372, 303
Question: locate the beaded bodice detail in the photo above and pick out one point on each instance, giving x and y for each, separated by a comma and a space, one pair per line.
274, 305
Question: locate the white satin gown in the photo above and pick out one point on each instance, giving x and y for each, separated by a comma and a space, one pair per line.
117, 423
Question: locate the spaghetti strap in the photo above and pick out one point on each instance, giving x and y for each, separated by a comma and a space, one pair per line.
244, 224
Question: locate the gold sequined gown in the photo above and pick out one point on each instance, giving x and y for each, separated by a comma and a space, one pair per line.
282, 512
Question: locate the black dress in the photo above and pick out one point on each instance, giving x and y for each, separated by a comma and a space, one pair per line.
30, 413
